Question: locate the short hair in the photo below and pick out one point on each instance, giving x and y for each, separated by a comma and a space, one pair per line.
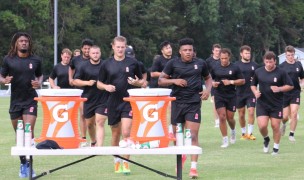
87, 42
119, 39
76, 50
290, 49
269, 55
66, 50
245, 47
226, 51
216, 46
185, 41
13, 47
164, 44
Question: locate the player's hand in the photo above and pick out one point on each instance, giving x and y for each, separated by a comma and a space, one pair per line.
215, 84
145, 84
204, 95
257, 94
7, 79
226, 82
135, 82
91, 82
110, 88
275, 89
55, 87
35, 84
180, 82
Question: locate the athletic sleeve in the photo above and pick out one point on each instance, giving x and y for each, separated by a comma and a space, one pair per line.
255, 80
38, 71
156, 66
239, 74
53, 74
138, 71
205, 71
4, 69
79, 74
72, 63
169, 68
102, 76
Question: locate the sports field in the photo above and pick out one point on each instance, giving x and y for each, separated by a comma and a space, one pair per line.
243, 160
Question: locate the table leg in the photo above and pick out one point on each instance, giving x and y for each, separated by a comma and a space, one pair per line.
31, 167
179, 167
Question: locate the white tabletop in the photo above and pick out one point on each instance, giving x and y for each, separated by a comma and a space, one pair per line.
106, 150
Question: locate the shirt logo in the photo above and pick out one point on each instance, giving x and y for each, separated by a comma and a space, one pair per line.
127, 69
253, 99
280, 114
32, 109
275, 79
106, 111
297, 69
196, 116
130, 113
252, 67
195, 66
230, 72
31, 66
298, 100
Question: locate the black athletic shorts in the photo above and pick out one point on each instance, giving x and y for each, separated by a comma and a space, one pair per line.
242, 101
295, 99
228, 103
118, 110
18, 110
181, 112
274, 112
89, 110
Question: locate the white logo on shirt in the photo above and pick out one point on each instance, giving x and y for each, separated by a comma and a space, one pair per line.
252, 67
298, 69
31, 66
275, 79
127, 69
195, 66
230, 72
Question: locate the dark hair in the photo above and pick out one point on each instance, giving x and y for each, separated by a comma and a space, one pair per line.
216, 46
245, 47
87, 42
226, 51
163, 44
290, 49
269, 55
13, 48
185, 41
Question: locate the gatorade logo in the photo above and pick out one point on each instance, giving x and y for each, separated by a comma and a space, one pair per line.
60, 113
150, 113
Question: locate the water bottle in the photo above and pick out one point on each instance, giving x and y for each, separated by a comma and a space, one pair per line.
20, 134
150, 144
179, 135
188, 137
28, 135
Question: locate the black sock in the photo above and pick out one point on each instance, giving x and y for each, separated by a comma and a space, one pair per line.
93, 143
266, 141
22, 159
275, 150
84, 137
291, 134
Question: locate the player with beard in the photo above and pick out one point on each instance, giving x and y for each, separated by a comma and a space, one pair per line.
226, 77
185, 75
74, 66
273, 82
211, 62
244, 95
95, 108
292, 98
61, 71
23, 70
114, 77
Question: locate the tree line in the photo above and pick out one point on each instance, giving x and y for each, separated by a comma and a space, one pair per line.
264, 25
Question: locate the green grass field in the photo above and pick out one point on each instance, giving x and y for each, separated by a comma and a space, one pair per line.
243, 160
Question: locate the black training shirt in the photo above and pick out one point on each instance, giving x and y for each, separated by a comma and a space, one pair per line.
61, 72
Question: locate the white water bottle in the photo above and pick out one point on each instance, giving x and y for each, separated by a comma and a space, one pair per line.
179, 135
20, 134
188, 137
28, 135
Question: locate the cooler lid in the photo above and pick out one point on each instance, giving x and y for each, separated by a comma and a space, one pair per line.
149, 92
60, 92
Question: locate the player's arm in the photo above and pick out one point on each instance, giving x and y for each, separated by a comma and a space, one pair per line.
52, 84
164, 80
5, 80
107, 87
71, 75
37, 82
208, 84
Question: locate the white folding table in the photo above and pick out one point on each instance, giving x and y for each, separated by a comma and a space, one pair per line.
109, 150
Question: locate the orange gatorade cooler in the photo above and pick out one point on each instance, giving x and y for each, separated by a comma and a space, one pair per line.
60, 116
149, 108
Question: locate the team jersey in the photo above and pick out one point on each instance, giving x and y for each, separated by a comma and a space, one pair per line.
230, 72
61, 72
193, 72
116, 73
23, 71
158, 66
295, 72
76, 62
247, 70
265, 79
211, 63
89, 71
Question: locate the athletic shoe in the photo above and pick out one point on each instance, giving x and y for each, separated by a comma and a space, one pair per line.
225, 144
28, 171
217, 124
233, 137
266, 146
244, 137
117, 167
292, 139
125, 168
275, 153
282, 130
193, 173
23, 171
251, 137
84, 144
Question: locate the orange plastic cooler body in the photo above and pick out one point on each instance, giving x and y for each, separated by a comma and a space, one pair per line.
60, 120
150, 119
